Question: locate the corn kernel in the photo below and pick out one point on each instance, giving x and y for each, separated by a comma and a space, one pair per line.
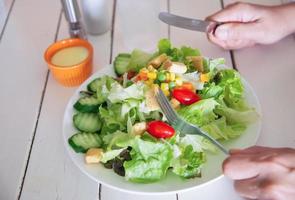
178, 81
204, 77
165, 87
166, 93
149, 82
152, 75
167, 77
172, 76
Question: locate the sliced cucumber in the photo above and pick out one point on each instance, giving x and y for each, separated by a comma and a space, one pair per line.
87, 104
96, 84
81, 142
121, 63
87, 122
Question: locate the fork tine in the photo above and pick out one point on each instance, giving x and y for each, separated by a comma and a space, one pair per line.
166, 107
165, 111
167, 104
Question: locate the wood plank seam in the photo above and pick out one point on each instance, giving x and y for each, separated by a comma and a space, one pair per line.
231, 52
38, 115
113, 30
6, 20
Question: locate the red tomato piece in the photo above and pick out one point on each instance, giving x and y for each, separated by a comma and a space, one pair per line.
160, 129
185, 96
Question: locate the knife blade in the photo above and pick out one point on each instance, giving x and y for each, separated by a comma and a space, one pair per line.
187, 23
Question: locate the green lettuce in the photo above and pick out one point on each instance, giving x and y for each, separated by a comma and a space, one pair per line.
176, 54
138, 60
150, 161
199, 113
118, 93
189, 163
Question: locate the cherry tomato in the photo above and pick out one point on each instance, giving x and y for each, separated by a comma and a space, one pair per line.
185, 96
160, 129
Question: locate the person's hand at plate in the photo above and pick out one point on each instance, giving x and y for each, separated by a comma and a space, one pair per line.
245, 25
262, 173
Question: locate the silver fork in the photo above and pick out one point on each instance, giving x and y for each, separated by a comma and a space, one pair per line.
181, 125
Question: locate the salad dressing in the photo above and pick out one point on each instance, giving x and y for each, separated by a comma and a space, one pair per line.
70, 56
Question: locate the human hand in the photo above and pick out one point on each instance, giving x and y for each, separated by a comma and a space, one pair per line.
247, 24
262, 173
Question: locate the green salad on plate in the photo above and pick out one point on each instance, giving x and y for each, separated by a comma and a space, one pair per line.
121, 126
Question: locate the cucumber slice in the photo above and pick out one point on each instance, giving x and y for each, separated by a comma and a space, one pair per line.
121, 63
94, 85
87, 104
87, 122
81, 142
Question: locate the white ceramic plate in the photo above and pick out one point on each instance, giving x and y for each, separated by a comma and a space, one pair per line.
211, 170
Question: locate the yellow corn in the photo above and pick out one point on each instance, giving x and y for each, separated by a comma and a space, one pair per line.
152, 75
172, 76
178, 81
149, 82
166, 93
165, 87
167, 77
204, 77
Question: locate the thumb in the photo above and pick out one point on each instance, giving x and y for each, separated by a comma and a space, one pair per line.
237, 31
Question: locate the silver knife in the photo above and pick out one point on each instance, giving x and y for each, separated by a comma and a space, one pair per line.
188, 23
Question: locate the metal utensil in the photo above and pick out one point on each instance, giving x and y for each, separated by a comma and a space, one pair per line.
181, 125
188, 23
72, 14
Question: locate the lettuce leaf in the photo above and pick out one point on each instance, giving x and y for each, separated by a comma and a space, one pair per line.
138, 60
150, 161
189, 163
199, 113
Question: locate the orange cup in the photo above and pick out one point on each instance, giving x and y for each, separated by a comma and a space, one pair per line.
70, 75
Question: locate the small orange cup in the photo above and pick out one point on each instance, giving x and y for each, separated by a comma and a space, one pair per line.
74, 75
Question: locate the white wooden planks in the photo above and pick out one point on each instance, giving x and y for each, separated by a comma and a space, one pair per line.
270, 70
5, 7
137, 26
51, 173
22, 79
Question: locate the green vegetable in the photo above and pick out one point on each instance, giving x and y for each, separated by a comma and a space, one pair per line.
176, 54
189, 163
161, 77
118, 93
172, 85
81, 142
87, 104
199, 113
150, 161
121, 63
87, 122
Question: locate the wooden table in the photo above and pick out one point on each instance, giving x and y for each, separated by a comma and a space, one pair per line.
33, 161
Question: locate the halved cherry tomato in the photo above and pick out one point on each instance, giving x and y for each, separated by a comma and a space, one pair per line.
160, 129
185, 96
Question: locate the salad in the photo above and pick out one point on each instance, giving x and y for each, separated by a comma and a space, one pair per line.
121, 126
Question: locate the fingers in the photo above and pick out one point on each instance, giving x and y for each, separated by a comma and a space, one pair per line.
239, 167
248, 188
236, 12
235, 35
250, 150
